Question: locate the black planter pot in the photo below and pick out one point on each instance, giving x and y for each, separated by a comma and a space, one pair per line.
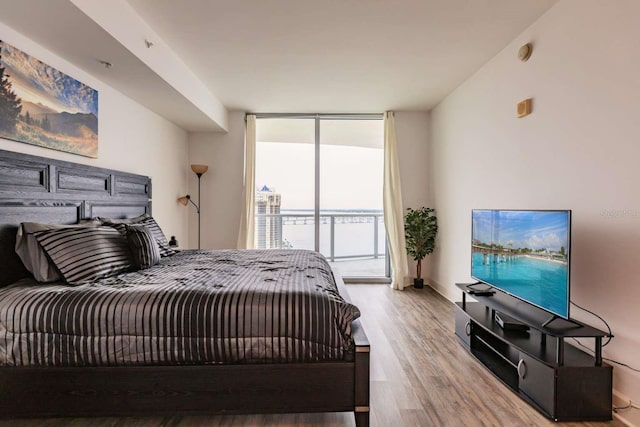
418, 283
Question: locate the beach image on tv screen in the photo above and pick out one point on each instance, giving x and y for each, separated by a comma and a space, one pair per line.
524, 253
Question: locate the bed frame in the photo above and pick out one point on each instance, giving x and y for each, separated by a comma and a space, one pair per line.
51, 191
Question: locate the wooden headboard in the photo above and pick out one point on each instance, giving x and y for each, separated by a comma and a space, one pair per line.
39, 189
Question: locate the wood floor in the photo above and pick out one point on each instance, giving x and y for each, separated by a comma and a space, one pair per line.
420, 376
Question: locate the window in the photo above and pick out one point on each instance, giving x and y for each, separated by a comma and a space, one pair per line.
319, 186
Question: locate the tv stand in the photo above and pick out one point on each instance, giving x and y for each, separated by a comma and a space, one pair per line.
561, 381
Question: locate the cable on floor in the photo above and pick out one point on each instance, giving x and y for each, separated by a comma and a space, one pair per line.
627, 407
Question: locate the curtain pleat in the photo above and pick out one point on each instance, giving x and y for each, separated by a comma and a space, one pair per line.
392, 205
247, 228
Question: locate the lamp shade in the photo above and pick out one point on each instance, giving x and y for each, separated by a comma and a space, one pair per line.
199, 169
184, 200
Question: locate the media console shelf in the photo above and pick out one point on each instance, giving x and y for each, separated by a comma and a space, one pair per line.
560, 380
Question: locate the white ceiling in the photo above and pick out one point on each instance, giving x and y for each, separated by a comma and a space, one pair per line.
336, 55
282, 55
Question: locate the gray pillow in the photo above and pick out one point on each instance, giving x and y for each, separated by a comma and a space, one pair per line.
31, 253
105, 221
147, 221
84, 254
144, 248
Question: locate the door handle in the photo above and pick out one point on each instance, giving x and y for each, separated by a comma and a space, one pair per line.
522, 369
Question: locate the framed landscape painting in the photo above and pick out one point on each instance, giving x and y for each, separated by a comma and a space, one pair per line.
43, 106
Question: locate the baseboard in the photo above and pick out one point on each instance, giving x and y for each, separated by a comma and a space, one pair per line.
629, 417
438, 288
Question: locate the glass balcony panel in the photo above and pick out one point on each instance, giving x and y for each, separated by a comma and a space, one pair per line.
351, 169
285, 148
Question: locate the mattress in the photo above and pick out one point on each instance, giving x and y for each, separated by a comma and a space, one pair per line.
196, 307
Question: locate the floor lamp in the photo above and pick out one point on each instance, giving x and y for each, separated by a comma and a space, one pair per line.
198, 170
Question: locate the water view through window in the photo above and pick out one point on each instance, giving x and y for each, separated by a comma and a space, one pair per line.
319, 186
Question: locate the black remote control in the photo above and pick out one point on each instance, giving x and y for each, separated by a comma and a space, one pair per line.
482, 293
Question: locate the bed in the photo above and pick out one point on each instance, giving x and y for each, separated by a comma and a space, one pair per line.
48, 191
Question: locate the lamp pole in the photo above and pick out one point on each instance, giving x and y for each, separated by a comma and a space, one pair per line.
198, 206
199, 170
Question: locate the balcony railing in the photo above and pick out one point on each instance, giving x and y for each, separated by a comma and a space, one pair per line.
348, 237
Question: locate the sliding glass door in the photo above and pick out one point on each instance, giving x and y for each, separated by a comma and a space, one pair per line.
285, 181
319, 186
351, 171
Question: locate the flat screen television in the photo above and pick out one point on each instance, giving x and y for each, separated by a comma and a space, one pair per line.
525, 254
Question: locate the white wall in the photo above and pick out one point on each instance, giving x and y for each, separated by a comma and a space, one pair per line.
222, 184
579, 150
412, 134
130, 138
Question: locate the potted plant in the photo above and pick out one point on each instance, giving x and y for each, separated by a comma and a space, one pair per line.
420, 228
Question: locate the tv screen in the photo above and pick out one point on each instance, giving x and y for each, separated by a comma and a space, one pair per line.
525, 254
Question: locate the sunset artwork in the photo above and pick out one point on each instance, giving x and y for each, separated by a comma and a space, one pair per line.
42, 106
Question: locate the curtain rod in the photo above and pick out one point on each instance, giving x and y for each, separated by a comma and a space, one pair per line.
337, 116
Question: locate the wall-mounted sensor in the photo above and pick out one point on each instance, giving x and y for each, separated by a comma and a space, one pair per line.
524, 53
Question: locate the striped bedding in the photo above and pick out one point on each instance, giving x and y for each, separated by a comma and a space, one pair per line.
196, 307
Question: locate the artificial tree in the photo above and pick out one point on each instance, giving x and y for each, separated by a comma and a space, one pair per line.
420, 229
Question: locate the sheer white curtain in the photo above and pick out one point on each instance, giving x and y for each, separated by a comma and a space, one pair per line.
392, 205
247, 228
